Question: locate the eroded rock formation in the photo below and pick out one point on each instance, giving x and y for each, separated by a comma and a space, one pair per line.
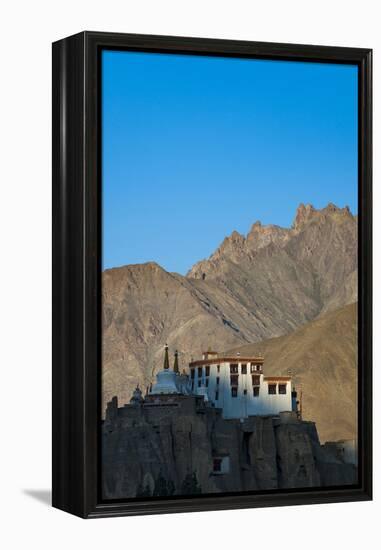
172, 445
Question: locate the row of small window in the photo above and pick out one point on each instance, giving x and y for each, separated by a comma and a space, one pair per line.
233, 369
200, 373
234, 392
271, 388
255, 379
253, 368
234, 378
282, 389
206, 383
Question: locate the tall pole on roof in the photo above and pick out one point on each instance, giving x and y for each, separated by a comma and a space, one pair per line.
166, 358
176, 363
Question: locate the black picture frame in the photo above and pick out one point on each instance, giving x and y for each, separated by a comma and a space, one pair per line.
77, 271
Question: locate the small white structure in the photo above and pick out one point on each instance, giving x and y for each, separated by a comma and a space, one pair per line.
237, 385
166, 379
165, 383
171, 381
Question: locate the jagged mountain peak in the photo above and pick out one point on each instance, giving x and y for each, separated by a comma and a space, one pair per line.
237, 247
261, 235
234, 237
303, 214
259, 227
306, 212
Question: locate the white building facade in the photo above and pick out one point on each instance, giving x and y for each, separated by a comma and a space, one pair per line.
237, 385
234, 384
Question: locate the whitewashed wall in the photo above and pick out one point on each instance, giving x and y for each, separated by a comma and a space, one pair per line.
245, 404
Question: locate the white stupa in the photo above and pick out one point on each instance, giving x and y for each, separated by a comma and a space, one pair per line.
165, 379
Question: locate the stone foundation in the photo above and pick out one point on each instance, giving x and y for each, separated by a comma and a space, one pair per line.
174, 445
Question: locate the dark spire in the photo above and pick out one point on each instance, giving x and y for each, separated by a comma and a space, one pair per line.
166, 358
176, 363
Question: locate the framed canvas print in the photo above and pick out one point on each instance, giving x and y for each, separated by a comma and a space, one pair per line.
211, 274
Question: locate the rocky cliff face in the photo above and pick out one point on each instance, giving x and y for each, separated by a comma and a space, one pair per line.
159, 449
254, 287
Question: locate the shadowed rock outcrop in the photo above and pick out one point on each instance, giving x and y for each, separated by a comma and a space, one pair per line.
169, 445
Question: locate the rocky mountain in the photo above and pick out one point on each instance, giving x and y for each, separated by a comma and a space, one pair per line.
314, 261
254, 287
322, 357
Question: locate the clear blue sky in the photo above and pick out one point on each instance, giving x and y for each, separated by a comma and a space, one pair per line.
195, 147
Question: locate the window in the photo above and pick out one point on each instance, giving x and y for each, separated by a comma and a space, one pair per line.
207, 370
255, 378
234, 369
199, 383
244, 392
234, 379
256, 391
206, 382
218, 368
217, 380
282, 389
234, 391
243, 369
192, 374
254, 367
199, 372
221, 465
216, 396
272, 389
217, 464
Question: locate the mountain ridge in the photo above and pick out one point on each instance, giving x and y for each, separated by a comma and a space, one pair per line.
261, 235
